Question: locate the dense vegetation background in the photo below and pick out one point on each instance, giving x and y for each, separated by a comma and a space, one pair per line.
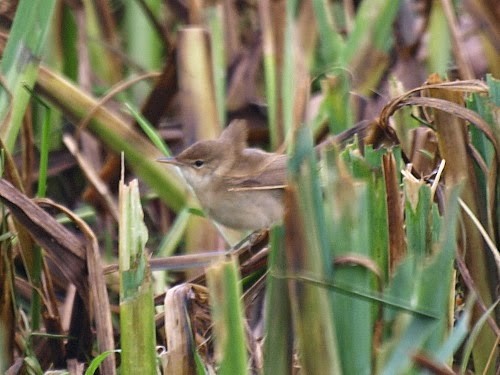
387, 259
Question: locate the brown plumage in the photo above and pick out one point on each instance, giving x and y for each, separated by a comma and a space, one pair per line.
237, 186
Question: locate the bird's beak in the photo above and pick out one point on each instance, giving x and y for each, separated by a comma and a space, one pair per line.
168, 160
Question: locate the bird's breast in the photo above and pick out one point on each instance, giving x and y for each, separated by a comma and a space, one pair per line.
245, 210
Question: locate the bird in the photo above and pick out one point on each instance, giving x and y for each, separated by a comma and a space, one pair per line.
237, 186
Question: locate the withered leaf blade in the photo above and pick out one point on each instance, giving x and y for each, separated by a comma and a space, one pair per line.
395, 211
66, 249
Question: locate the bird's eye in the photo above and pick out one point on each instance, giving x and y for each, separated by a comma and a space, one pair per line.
198, 163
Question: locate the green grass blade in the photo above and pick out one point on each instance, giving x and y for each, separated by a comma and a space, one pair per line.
425, 283
457, 336
19, 65
415, 333
439, 41
307, 253
142, 40
216, 24
140, 154
356, 213
474, 334
174, 235
332, 44
418, 213
149, 130
372, 27
278, 345
96, 362
169, 244
44, 153
291, 73
138, 339
227, 314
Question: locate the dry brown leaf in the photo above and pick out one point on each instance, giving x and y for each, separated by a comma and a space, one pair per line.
397, 247
100, 306
66, 249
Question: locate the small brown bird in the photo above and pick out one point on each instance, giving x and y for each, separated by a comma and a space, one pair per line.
237, 186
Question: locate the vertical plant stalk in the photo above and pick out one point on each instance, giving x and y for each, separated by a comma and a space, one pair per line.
310, 303
458, 47
180, 343
336, 87
199, 113
196, 84
270, 71
395, 218
37, 251
227, 315
7, 317
217, 32
356, 212
366, 53
439, 56
306, 254
424, 278
295, 78
452, 140
142, 39
102, 309
98, 34
137, 325
278, 345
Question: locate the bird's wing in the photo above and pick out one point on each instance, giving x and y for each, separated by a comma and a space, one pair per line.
270, 175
